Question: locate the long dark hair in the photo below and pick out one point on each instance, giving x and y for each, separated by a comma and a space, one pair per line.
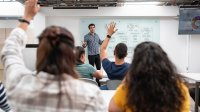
55, 53
153, 83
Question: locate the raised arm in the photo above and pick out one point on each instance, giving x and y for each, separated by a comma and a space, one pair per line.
31, 9
110, 31
12, 50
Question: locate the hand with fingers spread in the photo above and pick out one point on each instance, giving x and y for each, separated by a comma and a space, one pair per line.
84, 44
31, 9
111, 28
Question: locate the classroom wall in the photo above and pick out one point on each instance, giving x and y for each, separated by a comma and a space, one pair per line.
194, 54
16, 9
175, 45
71, 23
169, 39
37, 26
126, 11
11, 9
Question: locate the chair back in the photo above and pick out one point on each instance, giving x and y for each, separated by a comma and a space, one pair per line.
113, 84
89, 81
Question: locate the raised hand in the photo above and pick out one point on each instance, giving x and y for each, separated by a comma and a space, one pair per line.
84, 44
31, 9
111, 28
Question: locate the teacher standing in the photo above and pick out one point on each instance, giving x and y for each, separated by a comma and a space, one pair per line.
93, 42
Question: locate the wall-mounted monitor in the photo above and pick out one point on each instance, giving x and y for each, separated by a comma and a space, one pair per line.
189, 20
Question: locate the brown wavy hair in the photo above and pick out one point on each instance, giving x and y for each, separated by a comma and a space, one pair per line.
55, 53
153, 83
79, 52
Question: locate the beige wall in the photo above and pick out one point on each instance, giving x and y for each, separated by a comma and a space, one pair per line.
4, 33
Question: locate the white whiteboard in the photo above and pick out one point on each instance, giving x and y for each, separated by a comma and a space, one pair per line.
130, 31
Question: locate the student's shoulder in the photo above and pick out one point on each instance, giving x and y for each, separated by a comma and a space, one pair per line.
88, 65
105, 60
182, 86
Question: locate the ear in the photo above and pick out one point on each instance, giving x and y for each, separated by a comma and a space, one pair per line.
82, 56
114, 52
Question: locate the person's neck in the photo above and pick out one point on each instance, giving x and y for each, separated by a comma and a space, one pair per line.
92, 33
119, 61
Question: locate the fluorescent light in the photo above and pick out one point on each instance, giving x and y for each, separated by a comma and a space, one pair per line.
65, 7
143, 3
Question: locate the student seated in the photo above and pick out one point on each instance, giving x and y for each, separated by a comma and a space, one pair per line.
3, 99
85, 70
117, 69
152, 84
55, 87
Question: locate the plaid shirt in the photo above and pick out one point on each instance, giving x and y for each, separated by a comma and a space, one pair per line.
28, 92
93, 42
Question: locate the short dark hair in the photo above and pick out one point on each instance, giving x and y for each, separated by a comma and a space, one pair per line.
91, 24
121, 50
79, 51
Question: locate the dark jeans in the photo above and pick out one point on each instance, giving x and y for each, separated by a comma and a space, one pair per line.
95, 59
104, 87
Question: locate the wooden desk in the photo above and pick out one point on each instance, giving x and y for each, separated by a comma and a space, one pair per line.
195, 77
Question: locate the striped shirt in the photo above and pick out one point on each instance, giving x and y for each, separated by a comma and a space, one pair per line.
28, 92
93, 43
3, 99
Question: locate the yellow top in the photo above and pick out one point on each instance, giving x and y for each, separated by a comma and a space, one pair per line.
120, 98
